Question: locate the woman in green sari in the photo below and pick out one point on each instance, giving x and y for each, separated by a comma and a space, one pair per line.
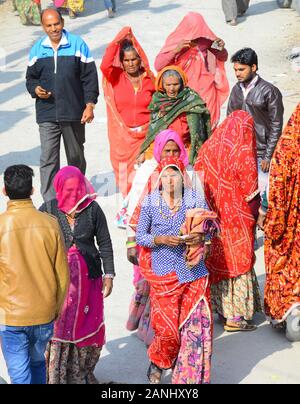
176, 106
29, 11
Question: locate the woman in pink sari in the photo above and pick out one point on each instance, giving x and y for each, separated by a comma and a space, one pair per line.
79, 332
202, 56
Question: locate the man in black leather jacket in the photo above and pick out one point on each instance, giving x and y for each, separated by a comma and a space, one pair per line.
263, 101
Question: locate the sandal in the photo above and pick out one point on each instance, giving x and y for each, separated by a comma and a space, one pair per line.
239, 326
154, 373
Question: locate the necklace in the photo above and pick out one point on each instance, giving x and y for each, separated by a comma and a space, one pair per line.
136, 82
173, 210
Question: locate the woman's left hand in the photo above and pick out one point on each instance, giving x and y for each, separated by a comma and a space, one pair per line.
219, 44
107, 287
261, 221
194, 239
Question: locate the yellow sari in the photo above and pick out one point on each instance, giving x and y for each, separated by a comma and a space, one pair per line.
77, 6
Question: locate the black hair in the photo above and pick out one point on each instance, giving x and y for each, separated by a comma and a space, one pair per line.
127, 46
54, 9
245, 56
18, 181
174, 168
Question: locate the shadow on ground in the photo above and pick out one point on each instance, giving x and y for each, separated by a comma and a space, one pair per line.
263, 7
115, 367
29, 157
105, 184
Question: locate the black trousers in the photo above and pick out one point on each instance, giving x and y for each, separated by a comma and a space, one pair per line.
73, 134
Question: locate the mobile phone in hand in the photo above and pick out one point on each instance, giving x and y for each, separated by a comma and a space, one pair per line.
184, 237
215, 45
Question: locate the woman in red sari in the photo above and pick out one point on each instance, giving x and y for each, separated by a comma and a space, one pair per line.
128, 85
202, 56
180, 296
228, 167
282, 226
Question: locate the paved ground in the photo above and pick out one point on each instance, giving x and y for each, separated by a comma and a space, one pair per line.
261, 357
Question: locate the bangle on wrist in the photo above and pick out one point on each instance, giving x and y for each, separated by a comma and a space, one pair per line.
91, 104
131, 244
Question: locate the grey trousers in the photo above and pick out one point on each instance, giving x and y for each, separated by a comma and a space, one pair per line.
73, 134
232, 8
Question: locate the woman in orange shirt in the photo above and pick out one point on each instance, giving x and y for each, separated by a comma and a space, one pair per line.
128, 85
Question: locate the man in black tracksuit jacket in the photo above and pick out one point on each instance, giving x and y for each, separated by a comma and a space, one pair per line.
62, 77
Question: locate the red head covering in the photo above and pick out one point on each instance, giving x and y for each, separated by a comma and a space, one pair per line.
163, 138
212, 84
193, 26
126, 34
168, 162
73, 191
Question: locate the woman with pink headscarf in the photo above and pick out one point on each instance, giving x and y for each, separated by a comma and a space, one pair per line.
79, 332
202, 56
168, 143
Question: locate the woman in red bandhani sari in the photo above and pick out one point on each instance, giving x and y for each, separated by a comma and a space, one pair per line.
128, 85
202, 56
179, 293
282, 226
228, 167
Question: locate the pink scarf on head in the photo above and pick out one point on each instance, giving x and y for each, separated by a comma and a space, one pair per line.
73, 191
163, 138
58, 3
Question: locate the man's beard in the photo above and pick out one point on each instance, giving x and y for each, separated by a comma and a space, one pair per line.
249, 79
